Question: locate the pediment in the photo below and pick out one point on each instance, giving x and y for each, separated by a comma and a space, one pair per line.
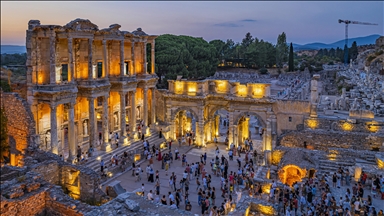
81, 24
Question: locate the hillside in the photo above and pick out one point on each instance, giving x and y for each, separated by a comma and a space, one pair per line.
12, 49
371, 39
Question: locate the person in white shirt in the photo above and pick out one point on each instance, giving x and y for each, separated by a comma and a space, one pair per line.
150, 195
357, 207
142, 190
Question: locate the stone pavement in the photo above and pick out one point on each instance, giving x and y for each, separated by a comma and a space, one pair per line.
193, 155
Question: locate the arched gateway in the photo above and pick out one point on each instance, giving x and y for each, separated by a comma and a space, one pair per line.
195, 104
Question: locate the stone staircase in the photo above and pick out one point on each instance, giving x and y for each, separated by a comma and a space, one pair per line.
134, 145
331, 165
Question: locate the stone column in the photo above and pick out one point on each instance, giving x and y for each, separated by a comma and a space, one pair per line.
267, 137
132, 124
231, 137
122, 58
54, 141
145, 116
123, 132
105, 123
133, 61
145, 57
52, 58
200, 128
71, 133
105, 58
153, 107
314, 95
90, 67
235, 132
91, 123
153, 57
71, 69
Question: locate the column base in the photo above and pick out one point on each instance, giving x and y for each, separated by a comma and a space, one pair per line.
105, 146
71, 160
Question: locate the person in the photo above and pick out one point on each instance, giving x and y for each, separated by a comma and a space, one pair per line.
171, 198
78, 153
161, 133
142, 190
101, 165
163, 200
149, 195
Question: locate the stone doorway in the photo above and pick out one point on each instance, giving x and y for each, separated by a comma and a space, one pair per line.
185, 122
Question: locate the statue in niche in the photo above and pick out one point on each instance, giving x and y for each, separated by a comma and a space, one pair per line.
116, 119
47, 139
85, 127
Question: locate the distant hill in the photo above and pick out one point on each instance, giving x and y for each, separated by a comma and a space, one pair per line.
12, 49
371, 39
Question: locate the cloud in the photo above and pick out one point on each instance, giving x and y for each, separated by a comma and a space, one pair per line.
247, 20
235, 24
228, 24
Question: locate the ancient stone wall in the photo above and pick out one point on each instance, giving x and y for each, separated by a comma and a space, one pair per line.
324, 140
79, 182
290, 114
31, 205
161, 108
358, 125
20, 125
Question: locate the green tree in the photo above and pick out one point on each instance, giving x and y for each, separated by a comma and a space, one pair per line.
4, 145
193, 58
291, 66
353, 51
219, 46
5, 86
281, 50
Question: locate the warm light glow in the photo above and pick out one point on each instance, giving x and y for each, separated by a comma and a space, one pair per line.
192, 88
40, 77
242, 90
179, 87
373, 126
347, 126
98, 116
380, 163
258, 91
312, 123
266, 188
276, 157
99, 158
332, 155
267, 210
221, 86
137, 157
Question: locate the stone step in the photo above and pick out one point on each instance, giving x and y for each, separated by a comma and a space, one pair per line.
336, 163
136, 144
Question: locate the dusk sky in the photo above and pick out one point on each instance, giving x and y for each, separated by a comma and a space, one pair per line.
302, 21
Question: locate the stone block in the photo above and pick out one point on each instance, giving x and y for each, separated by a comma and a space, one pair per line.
132, 205
122, 197
114, 189
329, 112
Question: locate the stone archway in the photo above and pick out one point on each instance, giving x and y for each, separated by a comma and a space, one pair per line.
290, 174
243, 129
215, 126
182, 122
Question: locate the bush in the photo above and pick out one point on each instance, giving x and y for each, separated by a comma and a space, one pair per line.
5, 86
331, 63
263, 70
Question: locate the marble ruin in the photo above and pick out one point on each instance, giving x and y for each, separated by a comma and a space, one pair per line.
87, 84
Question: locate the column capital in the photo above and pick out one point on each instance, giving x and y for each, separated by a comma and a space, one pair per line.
71, 105
53, 105
91, 98
104, 41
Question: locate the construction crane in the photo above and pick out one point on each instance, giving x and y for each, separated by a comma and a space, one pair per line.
347, 22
